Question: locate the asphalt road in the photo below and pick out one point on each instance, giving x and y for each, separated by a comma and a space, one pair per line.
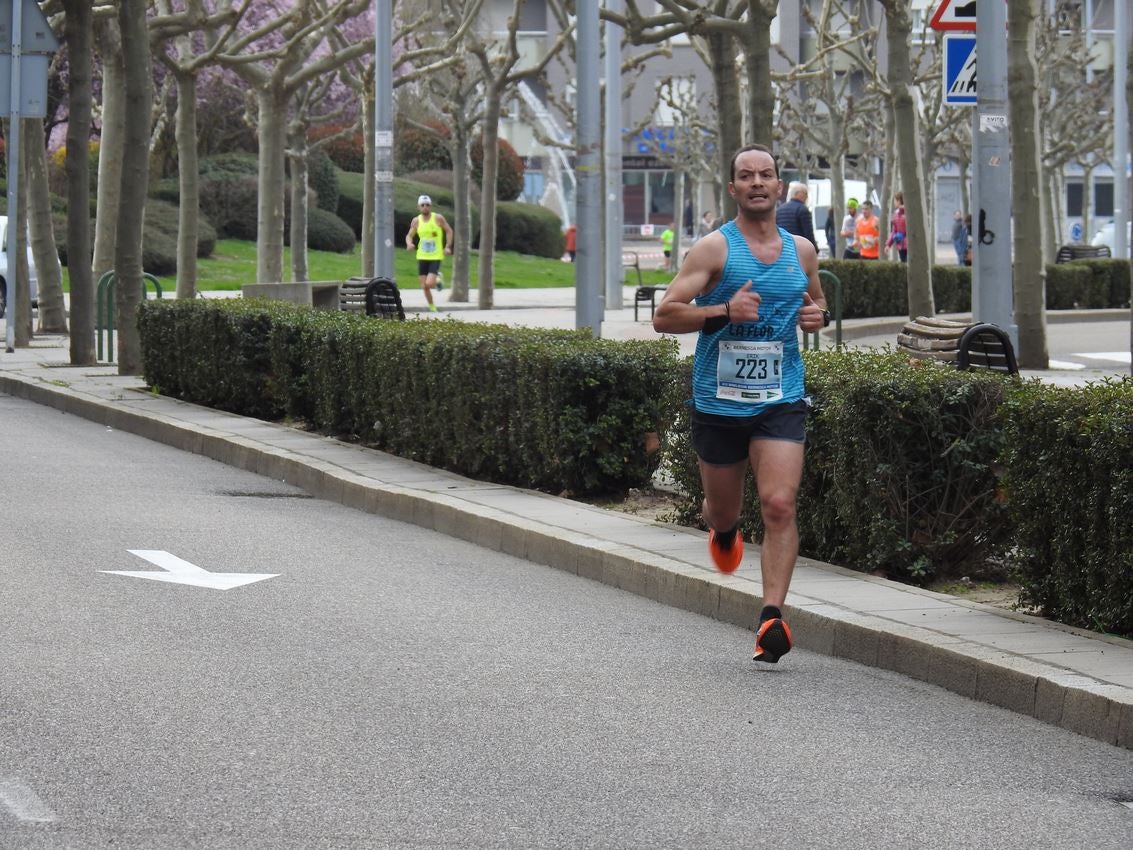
393, 687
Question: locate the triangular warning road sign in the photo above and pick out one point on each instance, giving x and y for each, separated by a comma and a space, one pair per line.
955, 15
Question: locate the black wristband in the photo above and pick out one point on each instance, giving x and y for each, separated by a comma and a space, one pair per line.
715, 323
826, 318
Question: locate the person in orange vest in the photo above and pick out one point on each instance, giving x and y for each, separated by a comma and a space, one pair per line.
572, 241
867, 232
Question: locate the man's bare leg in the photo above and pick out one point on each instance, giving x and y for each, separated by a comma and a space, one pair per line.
778, 466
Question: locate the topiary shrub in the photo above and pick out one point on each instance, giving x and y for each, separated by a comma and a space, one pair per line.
234, 164
509, 182
528, 229
420, 150
162, 217
346, 147
328, 232
322, 177
159, 253
232, 204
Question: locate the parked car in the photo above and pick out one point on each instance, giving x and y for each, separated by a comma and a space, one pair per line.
33, 281
1105, 236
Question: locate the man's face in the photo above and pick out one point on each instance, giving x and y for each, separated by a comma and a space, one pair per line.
755, 187
867, 210
424, 208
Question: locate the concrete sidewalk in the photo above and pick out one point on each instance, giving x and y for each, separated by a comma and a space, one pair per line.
1075, 679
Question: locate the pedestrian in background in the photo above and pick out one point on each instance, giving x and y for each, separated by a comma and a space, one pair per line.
755, 285
867, 232
967, 239
959, 237
572, 241
829, 229
898, 231
706, 222
794, 217
849, 231
667, 245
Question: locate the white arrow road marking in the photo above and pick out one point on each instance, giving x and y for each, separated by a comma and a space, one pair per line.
1116, 356
21, 801
178, 571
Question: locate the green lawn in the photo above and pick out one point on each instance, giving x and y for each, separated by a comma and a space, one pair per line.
233, 264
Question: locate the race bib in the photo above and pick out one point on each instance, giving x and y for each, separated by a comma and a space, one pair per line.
749, 372
428, 246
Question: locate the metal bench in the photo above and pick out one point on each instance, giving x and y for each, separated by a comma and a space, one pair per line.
1082, 252
968, 346
377, 296
646, 295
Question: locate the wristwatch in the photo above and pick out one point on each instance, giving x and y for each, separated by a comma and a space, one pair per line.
826, 318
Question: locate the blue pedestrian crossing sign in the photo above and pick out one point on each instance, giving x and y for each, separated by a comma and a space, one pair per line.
960, 69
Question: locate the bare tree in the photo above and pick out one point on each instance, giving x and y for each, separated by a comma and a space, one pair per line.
820, 108
110, 148
52, 310
499, 72
1027, 195
78, 24
275, 74
900, 77
185, 64
135, 181
1076, 122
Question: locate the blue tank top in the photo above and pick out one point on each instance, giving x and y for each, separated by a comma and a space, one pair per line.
743, 368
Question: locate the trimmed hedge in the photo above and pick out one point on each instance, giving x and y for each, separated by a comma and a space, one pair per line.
1069, 464
549, 409
880, 288
913, 471
899, 470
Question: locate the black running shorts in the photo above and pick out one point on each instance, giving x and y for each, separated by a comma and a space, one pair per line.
425, 267
723, 440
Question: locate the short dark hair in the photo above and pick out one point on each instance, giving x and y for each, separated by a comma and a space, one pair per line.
747, 148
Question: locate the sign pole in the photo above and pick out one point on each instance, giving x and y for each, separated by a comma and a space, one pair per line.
992, 288
14, 177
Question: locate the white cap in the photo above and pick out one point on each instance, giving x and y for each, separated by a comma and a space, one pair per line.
424, 199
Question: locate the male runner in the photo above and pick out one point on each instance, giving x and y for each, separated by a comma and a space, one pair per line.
429, 228
752, 283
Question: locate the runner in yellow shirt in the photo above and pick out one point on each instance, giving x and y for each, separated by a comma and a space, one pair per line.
434, 241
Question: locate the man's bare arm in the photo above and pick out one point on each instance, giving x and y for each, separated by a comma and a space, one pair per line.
676, 314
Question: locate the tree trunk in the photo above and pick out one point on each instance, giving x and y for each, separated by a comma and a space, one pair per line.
297, 156
135, 181
80, 62
369, 186
1129, 102
1029, 231
462, 201
52, 310
188, 175
269, 217
1056, 179
678, 218
729, 114
1087, 199
489, 139
110, 149
757, 59
898, 26
19, 291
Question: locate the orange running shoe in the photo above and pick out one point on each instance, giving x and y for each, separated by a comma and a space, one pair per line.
772, 641
726, 558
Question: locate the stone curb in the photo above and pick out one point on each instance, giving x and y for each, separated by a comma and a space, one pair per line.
1020, 684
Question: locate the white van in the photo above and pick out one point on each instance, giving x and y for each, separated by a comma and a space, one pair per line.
33, 281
